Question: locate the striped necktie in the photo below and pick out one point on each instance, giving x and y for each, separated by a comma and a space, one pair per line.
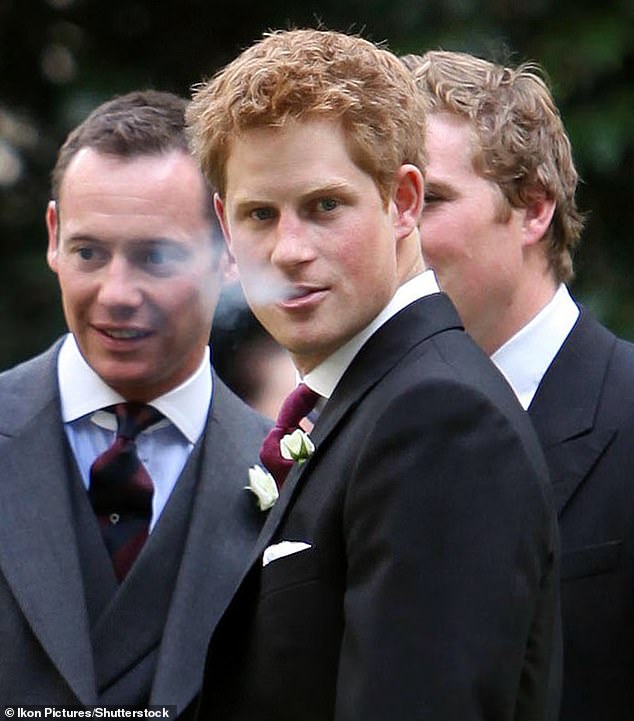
121, 489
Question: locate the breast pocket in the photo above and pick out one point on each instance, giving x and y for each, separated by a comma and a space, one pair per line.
288, 571
590, 560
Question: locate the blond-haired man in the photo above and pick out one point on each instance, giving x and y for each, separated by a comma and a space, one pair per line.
499, 227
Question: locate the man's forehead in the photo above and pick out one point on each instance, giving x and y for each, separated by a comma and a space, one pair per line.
305, 158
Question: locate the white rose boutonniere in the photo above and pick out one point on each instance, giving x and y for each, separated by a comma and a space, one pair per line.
296, 446
262, 484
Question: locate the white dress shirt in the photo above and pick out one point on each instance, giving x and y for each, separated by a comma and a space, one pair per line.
324, 378
163, 448
525, 358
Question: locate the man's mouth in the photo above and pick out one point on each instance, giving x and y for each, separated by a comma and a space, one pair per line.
124, 333
300, 291
303, 296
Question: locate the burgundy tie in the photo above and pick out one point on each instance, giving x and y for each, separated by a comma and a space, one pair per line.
296, 406
121, 489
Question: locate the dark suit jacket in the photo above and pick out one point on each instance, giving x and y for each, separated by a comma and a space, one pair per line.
68, 633
429, 590
584, 415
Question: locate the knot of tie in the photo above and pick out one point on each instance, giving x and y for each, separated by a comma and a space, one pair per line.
121, 489
133, 418
296, 406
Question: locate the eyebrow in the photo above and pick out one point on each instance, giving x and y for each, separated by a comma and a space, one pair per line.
437, 184
89, 238
441, 187
81, 238
327, 189
318, 190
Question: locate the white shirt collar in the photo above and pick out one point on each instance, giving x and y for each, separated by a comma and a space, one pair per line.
324, 378
525, 358
83, 392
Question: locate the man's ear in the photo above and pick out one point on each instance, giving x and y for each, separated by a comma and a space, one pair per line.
407, 199
52, 226
538, 215
219, 207
230, 271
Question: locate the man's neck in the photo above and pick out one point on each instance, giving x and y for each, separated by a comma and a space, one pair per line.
324, 377
525, 305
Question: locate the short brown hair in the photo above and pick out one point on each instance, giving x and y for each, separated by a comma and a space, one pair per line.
138, 123
142, 122
297, 74
521, 142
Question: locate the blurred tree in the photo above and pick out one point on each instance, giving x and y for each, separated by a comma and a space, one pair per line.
59, 58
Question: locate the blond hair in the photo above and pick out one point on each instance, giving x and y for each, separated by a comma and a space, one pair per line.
299, 74
521, 143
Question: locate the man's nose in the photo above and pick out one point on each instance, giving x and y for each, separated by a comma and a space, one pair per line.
292, 244
119, 285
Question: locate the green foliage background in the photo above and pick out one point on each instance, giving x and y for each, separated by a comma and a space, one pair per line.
59, 58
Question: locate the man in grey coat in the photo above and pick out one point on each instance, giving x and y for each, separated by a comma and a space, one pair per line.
133, 240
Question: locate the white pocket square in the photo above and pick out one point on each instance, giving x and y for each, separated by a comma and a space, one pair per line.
285, 548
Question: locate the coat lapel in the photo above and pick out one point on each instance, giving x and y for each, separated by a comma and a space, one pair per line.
224, 527
565, 406
38, 547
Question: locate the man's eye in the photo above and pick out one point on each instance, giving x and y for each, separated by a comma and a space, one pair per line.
161, 258
327, 204
156, 256
87, 257
89, 254
262, 213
